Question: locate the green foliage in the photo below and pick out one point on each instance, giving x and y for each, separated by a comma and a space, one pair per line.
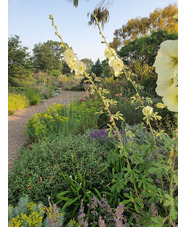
145, 48
33, 95
145, 170
47, 56
17, 101
97, 69
55, 72
159, 19
19, 65
107, 71
101, 13
65, 119
76, 192
37, 172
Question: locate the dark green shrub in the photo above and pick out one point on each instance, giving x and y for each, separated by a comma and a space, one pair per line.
16, 90
33, 95
38, 170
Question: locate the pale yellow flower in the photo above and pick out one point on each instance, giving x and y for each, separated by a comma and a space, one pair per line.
109, 53
71, 65
166, 63
79, 67
170, 99
68, 55
117, 74
160, 105
116, 64
164, 83
147, 110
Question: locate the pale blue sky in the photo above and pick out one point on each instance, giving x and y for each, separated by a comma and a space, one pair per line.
29, 20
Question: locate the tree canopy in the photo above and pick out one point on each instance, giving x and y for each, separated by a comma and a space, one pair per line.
97, 68
47, 56
19, 64
145, 49
159, 19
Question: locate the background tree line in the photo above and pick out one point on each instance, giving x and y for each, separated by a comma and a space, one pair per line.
136, 43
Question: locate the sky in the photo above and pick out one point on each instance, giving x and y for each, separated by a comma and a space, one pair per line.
29, 19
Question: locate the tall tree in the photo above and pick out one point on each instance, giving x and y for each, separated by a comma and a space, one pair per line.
47, 56
140, 53
96, 68
101, 13
19, 65
160, 19
107, 71
145, 49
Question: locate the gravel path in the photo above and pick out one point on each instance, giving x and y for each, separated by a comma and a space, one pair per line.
17, 121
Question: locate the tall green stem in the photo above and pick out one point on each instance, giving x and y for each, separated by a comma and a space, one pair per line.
171, 186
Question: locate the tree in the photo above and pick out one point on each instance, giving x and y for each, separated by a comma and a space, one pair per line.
19, 65
106, 69
96, 68
140, 55
75, 2
145, 49
101, 13
160, 19
47, 56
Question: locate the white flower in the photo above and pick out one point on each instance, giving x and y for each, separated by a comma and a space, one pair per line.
79, 67
116, 64
166, 63
109, 53
147, 110
170, 99
68, 55
164, 83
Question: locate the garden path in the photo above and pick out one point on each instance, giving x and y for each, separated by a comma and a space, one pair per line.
17, 121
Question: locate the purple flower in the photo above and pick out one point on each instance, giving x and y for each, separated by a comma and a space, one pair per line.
118, 217
101, 222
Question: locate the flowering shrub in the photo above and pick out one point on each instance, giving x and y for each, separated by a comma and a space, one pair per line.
65, 119
17, 101
27, 213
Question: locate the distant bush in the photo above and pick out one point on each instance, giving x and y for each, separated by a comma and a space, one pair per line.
17, 101
33, 95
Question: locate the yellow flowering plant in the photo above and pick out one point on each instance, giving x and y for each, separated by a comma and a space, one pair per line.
166, 68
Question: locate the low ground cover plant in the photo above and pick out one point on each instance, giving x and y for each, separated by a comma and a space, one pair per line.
38, 170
